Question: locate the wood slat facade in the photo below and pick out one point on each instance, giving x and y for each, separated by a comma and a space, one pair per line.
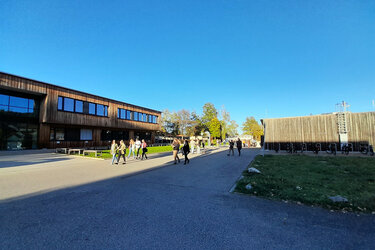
50, 116
319, 129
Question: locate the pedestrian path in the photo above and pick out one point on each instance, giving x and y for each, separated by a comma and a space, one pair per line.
173, 207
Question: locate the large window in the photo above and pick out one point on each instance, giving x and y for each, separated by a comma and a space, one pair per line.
17, 104
77, 106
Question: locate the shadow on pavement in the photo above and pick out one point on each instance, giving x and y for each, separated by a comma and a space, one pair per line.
91, 184
7, 164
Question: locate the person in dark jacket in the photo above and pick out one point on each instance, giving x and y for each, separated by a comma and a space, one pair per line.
186, 150
231, 146
239, 146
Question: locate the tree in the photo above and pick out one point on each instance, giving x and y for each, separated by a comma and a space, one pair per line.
197, 127
215, 128
251, 127
169, 122
183, 120
232, 129
224, 122
209, 113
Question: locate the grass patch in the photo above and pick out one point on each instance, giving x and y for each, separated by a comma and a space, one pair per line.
106, 154
311, 180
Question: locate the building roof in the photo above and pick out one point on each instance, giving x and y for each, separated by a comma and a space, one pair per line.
95, 96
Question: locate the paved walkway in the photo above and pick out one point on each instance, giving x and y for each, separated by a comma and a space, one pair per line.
66, 202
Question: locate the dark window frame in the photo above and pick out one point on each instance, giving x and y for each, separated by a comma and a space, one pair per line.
85, 107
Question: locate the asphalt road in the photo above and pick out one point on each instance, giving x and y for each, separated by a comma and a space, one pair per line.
70, 203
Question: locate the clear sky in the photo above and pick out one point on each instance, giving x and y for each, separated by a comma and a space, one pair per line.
257, 58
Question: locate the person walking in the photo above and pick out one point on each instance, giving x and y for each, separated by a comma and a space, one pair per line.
199, 147
122, 152
186, 150
137, 146
131, 148
176, 146
239, 146
231, 145
192, 143
114, 148
144, 149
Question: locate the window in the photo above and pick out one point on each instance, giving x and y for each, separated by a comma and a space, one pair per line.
60, 103
128, 114
4, 100
92, 108
79, 106
86, 135
122, 114
135, 116
144, 117
68, 104
18, 104
52, 134
31, 106
99, 110
60, 134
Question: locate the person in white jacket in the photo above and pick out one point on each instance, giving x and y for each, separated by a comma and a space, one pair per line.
137, 147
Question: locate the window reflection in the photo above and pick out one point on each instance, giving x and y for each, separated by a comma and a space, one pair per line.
92, 108
60, 103
100, 110
4, 100
18, 102
79, 106
68, 104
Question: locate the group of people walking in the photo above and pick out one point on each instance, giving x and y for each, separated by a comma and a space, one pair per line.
231, 147
185, 150
119, 151
199, 144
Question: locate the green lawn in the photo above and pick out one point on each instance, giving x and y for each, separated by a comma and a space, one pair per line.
310, 180
151, 150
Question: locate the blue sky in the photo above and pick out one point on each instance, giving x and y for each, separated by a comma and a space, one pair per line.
257, 58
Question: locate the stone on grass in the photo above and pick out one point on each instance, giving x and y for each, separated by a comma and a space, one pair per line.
253, 170
298, 188
338, 198
248, 186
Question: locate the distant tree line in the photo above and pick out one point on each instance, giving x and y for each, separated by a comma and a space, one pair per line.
218, 123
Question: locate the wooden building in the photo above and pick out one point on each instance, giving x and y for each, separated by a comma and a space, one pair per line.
35, 114
322, 129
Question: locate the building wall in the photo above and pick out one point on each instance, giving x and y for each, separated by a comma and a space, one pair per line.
320, 129
49, 116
